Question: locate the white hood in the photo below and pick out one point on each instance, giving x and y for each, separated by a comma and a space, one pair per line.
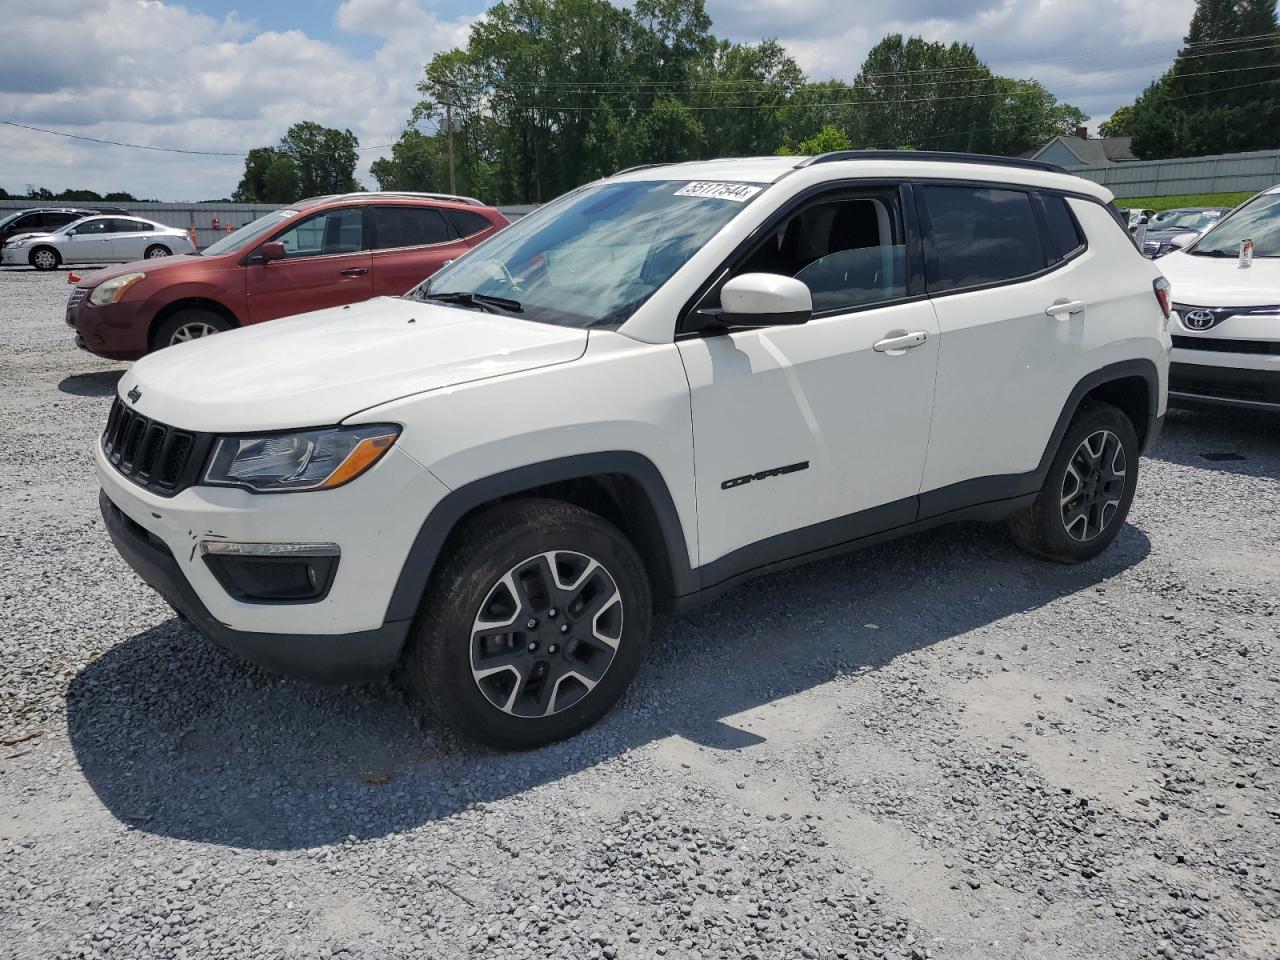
317, 368
1220, 281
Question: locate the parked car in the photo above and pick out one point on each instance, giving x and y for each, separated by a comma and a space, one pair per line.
45, 219
1226, 342
1138, 217
658, 386
1167, 225
96, 240
321, 252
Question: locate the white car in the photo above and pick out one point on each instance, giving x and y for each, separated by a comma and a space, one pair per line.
654, 388
1226, 342
112, 239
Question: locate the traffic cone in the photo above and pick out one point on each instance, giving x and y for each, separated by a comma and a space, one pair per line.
191, 235
73, 278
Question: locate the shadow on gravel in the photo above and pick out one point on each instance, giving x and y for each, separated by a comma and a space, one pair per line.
1244, 442
99, 384
180, 740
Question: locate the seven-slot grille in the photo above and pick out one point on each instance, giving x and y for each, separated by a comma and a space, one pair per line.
147, 452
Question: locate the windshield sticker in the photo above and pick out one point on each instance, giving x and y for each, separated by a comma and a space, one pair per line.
737, 192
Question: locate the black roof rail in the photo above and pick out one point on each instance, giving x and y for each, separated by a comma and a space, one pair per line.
935, 155
639, 166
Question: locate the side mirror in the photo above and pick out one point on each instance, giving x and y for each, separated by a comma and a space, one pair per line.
271, 250
1180, 240
764, 300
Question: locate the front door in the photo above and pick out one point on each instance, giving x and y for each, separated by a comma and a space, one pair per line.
326, 264
816, 434
90, 243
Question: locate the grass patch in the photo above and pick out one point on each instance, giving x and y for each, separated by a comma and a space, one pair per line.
1224, 200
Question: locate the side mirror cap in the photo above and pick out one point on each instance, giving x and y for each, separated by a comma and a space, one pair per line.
764, 300
271, 250
1180, 240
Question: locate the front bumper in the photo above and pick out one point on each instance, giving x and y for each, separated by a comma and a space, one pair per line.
1198, 385
116, 331
324, 658
14, 257
343, 635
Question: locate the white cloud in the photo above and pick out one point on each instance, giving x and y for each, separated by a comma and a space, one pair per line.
156, 73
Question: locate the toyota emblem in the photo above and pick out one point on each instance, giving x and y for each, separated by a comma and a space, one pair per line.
1198, 319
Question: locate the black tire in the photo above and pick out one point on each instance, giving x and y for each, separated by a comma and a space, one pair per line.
190, 324
157, 250
1074, 519
471, 582
39, 258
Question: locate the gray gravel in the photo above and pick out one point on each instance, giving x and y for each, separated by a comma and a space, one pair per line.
936, 748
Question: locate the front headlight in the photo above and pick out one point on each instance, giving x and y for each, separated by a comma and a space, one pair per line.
110, 291
300, 460
15, 244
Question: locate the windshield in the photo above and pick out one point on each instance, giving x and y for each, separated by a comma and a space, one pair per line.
1258, 220
248, 233
594, 256
1193, 220
11, 217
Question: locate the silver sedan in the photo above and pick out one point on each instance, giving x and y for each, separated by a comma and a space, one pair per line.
96, 240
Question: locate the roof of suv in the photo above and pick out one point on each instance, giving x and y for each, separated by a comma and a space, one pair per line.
895, 163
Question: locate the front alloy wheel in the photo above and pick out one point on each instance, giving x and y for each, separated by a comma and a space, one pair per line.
1093, 485
532, 626
44, 259
546, 634
192, 331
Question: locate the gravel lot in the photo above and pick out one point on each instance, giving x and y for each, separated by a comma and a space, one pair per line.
935, 748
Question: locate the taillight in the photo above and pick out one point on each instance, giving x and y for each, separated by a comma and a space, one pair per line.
1161, 286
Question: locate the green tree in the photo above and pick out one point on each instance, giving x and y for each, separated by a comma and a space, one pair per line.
1220, 94
417, 162
325, 158
827, 140
1119, 124
120, 196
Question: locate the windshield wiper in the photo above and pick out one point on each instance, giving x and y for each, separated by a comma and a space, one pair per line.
482, 300
1212, 253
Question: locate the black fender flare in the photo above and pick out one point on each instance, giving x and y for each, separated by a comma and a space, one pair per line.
444, 517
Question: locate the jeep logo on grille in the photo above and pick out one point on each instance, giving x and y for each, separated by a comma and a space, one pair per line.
1198, 319
134, 395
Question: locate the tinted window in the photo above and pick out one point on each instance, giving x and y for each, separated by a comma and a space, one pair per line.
468, 224
338, 231
1064, 232
32, 221
55, 220
980, 235
849, 252
409, 226
92, 226
127, 226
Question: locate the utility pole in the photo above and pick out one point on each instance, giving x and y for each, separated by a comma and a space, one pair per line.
450, 87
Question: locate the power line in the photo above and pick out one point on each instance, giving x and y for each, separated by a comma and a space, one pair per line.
118, 143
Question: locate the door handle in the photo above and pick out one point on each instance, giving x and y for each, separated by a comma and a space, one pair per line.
898, 342
1062, 309
355, 271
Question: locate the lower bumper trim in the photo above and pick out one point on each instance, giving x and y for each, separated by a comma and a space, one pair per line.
322, 658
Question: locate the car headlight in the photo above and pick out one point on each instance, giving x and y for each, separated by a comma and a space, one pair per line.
110, 291
15, 244
298, 460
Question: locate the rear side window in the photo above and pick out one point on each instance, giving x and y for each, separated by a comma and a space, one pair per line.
127, 226
1065, 238
980, 235
409, 227
469, 224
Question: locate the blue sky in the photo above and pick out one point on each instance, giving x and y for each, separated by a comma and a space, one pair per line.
226, 75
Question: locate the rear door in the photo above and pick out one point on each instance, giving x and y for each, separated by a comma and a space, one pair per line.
1007, 365
90, 243
327, 263
410, 243
128, 239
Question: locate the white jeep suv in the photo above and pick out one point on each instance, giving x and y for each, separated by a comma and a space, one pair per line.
651, 389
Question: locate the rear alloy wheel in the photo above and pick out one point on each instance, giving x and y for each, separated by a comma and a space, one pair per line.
158, 250
45, 258
1087, 491
185, 325
532, 627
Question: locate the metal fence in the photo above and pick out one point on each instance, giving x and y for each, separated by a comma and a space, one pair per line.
1226, 173
200, 215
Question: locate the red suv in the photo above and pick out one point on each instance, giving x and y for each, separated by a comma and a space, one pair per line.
322, 252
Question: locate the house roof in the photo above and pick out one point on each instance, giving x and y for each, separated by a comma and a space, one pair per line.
1097, 152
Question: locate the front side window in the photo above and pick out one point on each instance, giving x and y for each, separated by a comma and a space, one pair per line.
980, 235
55, 220
249, 233
91, 227
409, 227
326, 234
595, 255
848, 249
1258, 220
